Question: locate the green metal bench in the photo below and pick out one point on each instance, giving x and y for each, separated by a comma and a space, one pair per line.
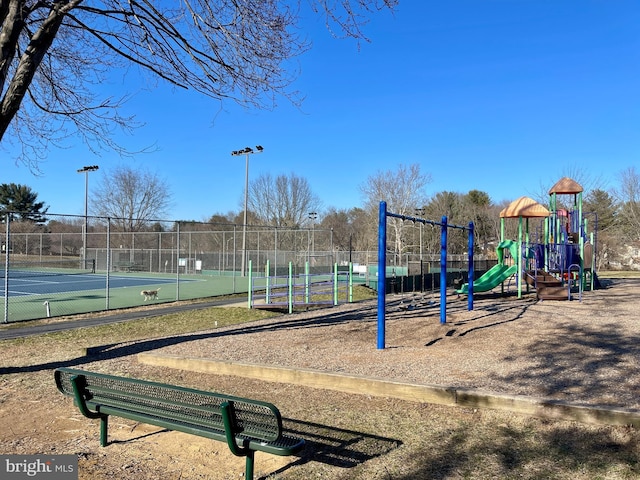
246, 426
127, 267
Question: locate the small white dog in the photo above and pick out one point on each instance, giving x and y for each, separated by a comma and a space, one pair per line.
150, 294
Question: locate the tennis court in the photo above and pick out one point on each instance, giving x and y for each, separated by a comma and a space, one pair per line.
33, 295
110, 264
47, 284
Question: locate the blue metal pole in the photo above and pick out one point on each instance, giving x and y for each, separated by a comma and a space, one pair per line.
471, 268
382, 270
443, 271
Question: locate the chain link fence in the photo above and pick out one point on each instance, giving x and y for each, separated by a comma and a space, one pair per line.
76, 264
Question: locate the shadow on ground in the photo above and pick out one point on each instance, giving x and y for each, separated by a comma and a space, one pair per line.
337, 447
547, 452
119, 350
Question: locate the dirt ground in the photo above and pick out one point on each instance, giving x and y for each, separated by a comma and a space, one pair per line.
349, 436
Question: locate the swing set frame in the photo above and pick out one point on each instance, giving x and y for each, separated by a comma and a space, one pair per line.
382, 264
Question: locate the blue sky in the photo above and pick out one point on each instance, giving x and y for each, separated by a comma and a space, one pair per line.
503, 96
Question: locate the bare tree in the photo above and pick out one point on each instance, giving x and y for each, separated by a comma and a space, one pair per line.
283, 201
629, 197
403, 190
54, 53
131, 197
587, 180
351, 229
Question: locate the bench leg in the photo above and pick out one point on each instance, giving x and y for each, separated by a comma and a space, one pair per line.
249, 465
228, 417
104, 426
78, 382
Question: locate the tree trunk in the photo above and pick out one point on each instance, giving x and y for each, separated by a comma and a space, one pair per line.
41, 41
12, 22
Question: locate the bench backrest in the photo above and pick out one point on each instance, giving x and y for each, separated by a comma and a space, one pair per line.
254, 419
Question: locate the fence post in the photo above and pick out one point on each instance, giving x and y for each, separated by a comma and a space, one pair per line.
108, 261
267, 293
6, 269
290, 287
250, 285
350, 299
335, 284
234, 259
178, 261
306, 282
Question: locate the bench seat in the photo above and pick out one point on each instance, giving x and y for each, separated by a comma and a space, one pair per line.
245, 425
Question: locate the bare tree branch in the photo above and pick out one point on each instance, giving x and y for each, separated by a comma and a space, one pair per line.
54, 53
403, 190
284, 201
132, 197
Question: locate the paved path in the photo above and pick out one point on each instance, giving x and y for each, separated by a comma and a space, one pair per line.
18, 332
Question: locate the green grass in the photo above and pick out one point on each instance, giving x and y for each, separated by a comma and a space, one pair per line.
190, 321
190, 288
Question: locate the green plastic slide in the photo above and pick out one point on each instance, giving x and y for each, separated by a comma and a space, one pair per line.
498, 273
491, 279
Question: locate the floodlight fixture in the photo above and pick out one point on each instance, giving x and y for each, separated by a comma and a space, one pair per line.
88, 168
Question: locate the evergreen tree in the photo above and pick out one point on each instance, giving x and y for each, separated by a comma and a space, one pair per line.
20, 202
604, 207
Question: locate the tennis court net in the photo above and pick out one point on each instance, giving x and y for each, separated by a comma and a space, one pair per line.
40, 268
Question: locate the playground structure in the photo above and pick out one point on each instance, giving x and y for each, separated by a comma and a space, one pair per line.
299, 291
557, 257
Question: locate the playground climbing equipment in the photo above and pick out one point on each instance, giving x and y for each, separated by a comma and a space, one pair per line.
558, 258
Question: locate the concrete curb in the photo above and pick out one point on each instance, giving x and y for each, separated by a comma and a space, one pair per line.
538, 407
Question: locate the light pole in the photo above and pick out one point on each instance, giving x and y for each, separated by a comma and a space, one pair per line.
86, 170
245, 151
